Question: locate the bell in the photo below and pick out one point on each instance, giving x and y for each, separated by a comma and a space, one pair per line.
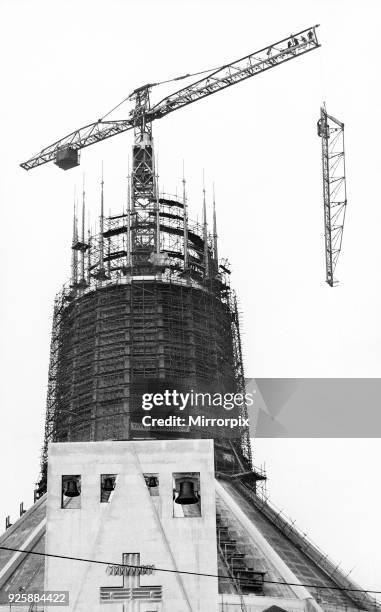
152, 481
108, 484
187, 494
71, 489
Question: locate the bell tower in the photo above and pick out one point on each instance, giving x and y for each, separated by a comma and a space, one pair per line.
138, 507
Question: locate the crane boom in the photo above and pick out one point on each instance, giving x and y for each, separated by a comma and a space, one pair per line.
225, 76
239, 70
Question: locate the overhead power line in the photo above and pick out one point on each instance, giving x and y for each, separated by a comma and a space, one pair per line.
172, 571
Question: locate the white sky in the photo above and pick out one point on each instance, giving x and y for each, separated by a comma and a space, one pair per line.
64, 65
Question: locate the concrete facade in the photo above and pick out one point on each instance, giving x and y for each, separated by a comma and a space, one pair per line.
132, 523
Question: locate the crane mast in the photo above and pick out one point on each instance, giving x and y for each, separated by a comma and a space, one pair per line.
144, 233
144, 198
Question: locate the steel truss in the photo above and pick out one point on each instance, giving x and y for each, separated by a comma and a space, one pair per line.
331, 132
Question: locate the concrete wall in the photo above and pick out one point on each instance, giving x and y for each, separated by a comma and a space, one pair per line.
255, 603
132, 522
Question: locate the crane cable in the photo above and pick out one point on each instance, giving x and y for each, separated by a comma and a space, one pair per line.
179, 78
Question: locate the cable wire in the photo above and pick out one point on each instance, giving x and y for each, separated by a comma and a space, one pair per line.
172, 571
179, 78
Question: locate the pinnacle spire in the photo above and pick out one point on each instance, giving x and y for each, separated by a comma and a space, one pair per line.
185, 222
101, 272
128, 245
215, 238
74, 254
83, 280
157, 210
205, 228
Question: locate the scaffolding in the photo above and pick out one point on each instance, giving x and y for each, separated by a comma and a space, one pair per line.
345, 594
117, 334
331, 132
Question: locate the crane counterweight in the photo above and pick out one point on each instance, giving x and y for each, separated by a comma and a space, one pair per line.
67, 158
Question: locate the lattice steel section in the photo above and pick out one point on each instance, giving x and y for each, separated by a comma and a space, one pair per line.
331, 132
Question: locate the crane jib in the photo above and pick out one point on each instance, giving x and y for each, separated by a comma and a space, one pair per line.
65, 152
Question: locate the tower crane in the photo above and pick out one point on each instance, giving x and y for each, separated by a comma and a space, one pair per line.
65, 152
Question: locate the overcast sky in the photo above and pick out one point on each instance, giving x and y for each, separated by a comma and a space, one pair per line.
64, 65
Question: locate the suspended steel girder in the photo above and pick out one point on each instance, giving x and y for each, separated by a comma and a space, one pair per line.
331, 132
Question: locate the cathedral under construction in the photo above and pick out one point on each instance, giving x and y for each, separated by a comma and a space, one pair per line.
156, 519
122, 327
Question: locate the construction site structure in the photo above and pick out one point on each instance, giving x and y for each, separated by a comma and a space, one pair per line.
118, 334
149, 302
149, 308
331, 132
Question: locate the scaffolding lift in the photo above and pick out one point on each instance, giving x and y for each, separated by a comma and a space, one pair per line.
331, 132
